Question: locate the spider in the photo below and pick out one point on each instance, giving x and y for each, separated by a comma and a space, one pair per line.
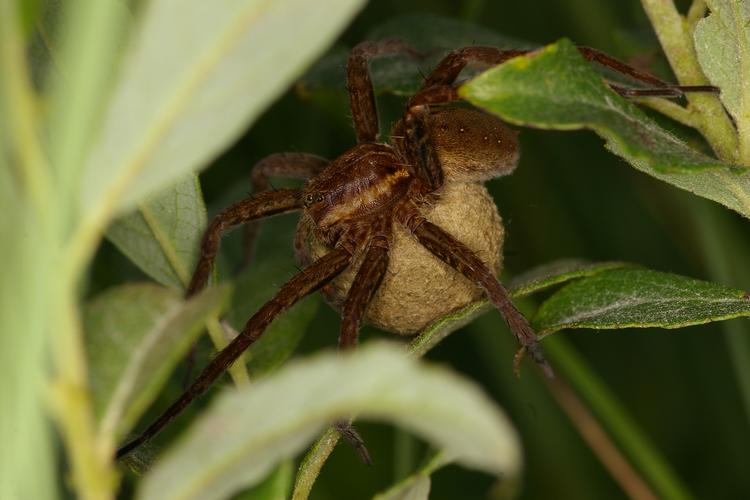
360, 211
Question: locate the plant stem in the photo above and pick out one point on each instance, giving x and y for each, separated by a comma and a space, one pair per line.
695, 13
19, 111
615, 419
670, 109
313, 462
676, 41
92, 465
599, 441
221, 334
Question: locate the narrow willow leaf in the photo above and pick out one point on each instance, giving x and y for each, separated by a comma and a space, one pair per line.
635, 298
193, 77
556, 88
252, 289
556, 272
27, 464
722, 43
433, 35
136, 334
532, 281
417, 485
162, 237
247, 431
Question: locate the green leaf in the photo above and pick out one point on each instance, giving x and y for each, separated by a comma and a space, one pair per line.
254, 288
192, 79
722, 43
556, 88
555, 273
247, 431
635, 298
433, 35
162, 236
417, 485
135, 335
532, 281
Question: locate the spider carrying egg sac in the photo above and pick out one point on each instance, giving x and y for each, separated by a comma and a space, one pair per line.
418, 288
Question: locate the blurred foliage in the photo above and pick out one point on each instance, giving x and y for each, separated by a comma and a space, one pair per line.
568, 198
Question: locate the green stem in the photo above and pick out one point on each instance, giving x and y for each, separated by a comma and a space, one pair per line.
313, 462
675, 36
670, 109
615, 419
221, 336
695, 13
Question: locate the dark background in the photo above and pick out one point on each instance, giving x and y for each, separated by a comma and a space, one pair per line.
568, 198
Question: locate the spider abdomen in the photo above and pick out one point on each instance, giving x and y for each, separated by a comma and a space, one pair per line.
418, 288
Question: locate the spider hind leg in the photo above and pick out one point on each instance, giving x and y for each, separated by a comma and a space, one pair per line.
458, 256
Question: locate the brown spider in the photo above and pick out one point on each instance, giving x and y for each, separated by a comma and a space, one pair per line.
353, 206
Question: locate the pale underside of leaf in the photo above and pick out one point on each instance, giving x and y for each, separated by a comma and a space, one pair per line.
136, 334
162, 237
222, 453
722, 43
190, 84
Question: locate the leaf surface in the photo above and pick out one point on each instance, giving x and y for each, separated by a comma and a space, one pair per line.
627, 298
722, 43
555, 88
135, 336
162, 237
191, 83
532, 281
222, 453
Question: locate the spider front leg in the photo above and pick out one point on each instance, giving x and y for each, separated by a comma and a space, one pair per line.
450, 67
262, 205
359, 84
285, 165
459, 257
311, 279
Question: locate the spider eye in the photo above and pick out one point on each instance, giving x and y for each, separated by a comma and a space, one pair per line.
319, 198
308, 199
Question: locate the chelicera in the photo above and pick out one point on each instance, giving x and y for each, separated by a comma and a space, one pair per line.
364, 211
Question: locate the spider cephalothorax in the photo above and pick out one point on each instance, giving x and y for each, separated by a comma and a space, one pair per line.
398, 233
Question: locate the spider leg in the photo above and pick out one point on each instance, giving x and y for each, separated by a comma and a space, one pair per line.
458, 256
301, 241
262, 205
422, 156
299, 286
287, 165
359, 84
365, 284
449, 68
367, 281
